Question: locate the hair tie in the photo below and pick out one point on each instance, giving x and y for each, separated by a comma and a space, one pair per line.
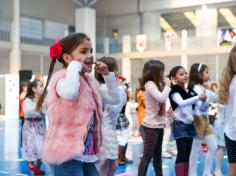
199, 67
56, 50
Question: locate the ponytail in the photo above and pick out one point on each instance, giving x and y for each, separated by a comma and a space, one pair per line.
41, 98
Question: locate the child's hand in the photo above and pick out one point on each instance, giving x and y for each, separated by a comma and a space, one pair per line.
83, 70
202, 97
101, 67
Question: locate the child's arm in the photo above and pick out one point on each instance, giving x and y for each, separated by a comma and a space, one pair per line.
123, 100
68, 87
29, 108
152, 89
181, 102
202, 104
111, 95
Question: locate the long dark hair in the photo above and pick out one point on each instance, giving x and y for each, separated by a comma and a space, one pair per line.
68, 43
22, 85
152, 71
30, 92
196, 74
111, 65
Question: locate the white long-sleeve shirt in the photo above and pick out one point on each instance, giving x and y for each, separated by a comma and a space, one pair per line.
152, 97
68, 88
184, 111
29, 106
230, 112
111, 112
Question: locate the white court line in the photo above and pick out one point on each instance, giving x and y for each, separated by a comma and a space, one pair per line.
4, 172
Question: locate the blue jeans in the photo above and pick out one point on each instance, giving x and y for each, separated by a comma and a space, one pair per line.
75, 168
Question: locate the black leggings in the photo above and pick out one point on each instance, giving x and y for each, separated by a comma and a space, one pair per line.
184, 146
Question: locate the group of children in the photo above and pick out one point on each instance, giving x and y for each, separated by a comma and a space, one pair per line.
85, 113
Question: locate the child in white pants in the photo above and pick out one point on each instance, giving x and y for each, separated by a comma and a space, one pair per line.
198, 75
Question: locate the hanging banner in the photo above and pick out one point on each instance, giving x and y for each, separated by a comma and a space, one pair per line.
141, 42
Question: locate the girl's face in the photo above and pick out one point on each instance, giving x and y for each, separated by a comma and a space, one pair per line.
82, 53
39, 88
205, 75
181, 77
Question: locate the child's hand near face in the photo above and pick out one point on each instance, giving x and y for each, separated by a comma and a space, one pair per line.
101, 68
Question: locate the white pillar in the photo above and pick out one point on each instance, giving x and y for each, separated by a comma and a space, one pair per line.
126, 62
217, 79
152, 28
106, 45
184, 44
206, 28
15, 55
41, 65
85, 22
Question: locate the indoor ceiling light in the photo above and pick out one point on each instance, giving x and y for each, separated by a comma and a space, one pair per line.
229, 16
166, 26
191, 16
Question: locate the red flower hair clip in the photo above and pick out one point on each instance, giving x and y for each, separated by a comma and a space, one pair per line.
56, 51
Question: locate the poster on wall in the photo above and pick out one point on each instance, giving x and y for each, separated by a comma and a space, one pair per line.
226, 36
12, 96
169, 40
141, 42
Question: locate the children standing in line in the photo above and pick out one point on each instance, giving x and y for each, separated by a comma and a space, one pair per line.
227, 96
33, 128
182, 103
197, 76
74, 107
156, 94
109, 153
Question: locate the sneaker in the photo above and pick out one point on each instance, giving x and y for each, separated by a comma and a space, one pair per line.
204, 148
218, 173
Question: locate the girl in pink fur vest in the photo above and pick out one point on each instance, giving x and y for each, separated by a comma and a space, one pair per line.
74, 102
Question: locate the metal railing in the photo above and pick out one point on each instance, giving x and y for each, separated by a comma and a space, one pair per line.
5, 36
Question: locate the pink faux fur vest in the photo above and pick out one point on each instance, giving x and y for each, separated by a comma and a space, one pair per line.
69, 119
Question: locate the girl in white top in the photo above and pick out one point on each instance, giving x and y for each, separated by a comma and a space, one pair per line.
109, 155
197, 76
156, 94
227, 96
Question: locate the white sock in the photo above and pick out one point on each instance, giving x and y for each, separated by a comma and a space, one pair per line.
194, 157
212, 149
